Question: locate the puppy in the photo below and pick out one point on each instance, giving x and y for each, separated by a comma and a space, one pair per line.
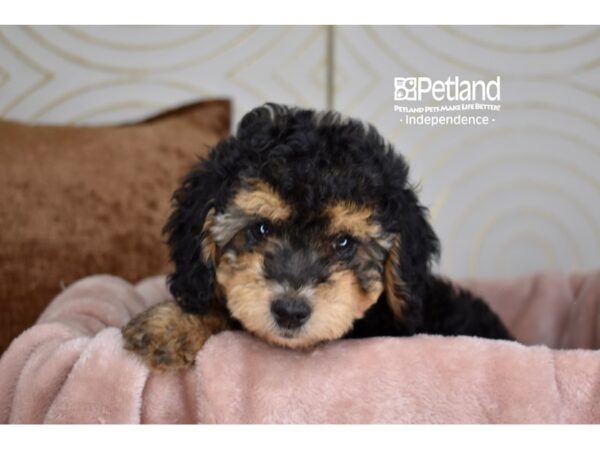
301, 228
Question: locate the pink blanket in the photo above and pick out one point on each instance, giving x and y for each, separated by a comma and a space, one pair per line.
71, 368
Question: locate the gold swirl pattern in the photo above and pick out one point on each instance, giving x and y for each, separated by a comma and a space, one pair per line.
138, 36
106, 74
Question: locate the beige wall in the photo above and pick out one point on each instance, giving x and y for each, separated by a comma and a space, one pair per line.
512, 197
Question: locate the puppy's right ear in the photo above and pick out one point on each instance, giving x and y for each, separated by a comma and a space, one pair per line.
192, 249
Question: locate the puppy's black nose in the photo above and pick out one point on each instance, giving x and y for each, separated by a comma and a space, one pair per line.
290, 313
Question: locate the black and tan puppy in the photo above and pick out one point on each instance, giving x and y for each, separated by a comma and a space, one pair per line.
302, 228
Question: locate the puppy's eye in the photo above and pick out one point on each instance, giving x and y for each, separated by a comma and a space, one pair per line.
258, 231
344, 245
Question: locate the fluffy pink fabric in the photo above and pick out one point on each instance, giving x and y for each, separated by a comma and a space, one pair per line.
71, 368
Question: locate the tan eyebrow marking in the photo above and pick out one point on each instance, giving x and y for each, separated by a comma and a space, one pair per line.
255, 199
261, 200
347, 217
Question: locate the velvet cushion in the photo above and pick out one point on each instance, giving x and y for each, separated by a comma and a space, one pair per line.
79, 201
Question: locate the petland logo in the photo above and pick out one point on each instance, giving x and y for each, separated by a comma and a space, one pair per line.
453, 89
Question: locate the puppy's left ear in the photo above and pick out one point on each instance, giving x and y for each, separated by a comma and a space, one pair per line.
408, 264
192, 249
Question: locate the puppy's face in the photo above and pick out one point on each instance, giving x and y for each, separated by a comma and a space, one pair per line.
291, 276
298, 224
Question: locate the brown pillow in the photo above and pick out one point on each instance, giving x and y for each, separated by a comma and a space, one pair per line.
80, 201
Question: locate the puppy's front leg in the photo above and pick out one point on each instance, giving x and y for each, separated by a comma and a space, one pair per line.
166, 337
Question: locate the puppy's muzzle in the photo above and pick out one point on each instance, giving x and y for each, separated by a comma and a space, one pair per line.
290, 313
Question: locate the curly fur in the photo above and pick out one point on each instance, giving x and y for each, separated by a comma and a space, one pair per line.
310, 158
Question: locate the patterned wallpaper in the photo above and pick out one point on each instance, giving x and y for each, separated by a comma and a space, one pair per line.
106, 74
518, 195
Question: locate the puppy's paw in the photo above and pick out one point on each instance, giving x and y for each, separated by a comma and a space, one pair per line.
166, 337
